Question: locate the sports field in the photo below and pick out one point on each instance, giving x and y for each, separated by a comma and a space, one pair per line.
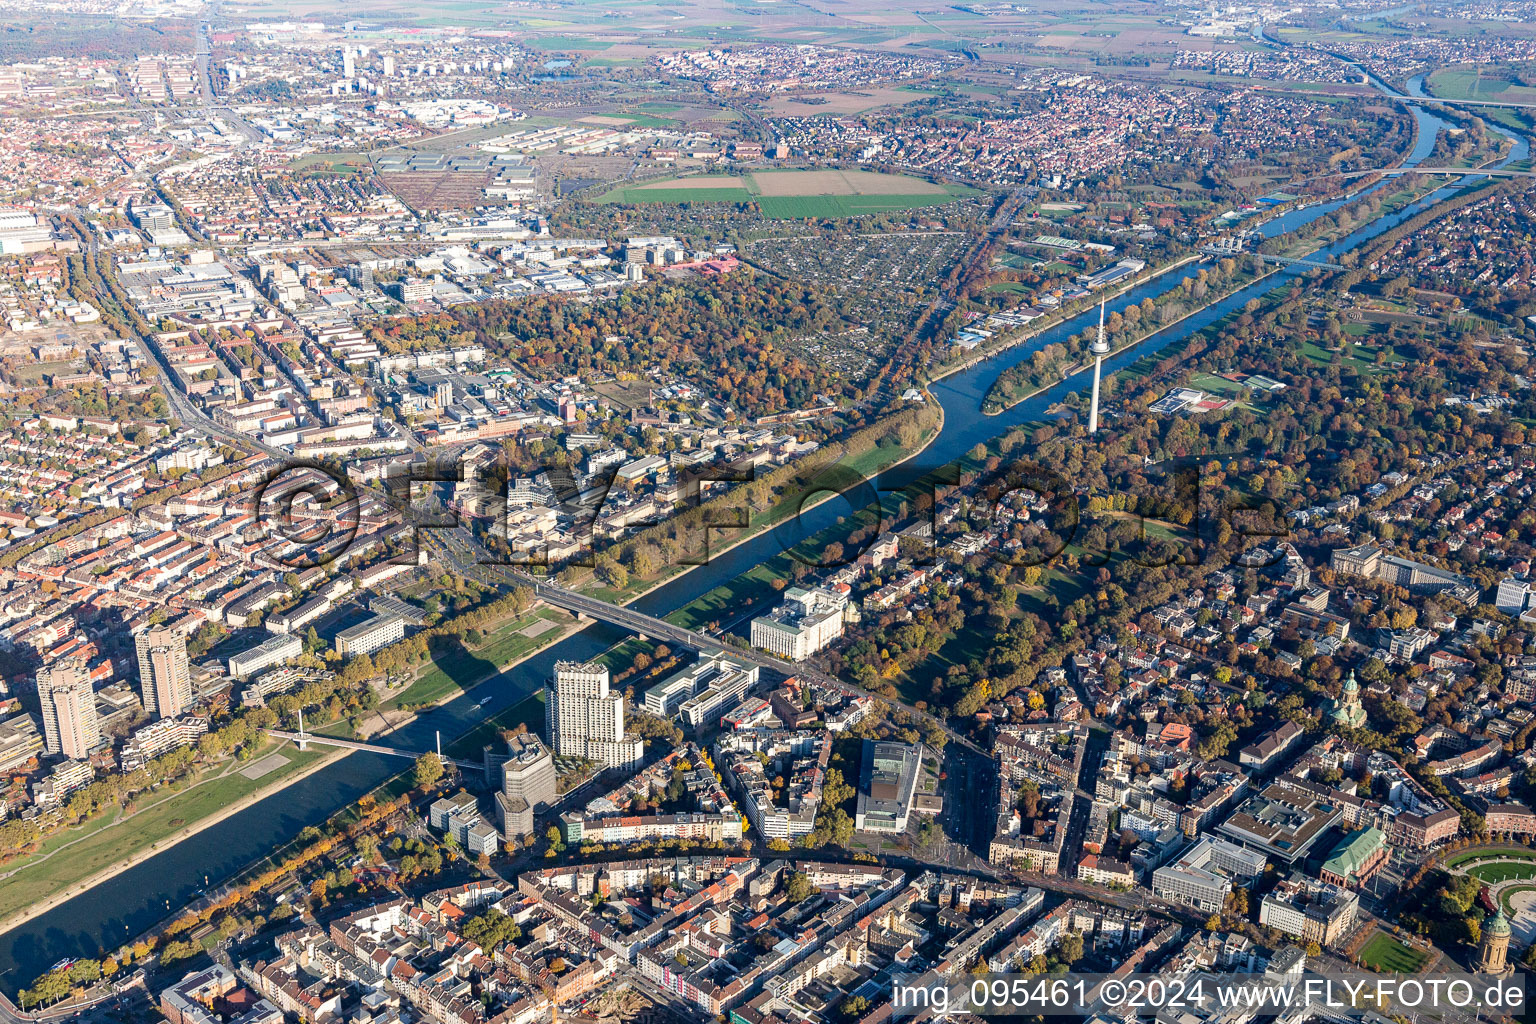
790, 195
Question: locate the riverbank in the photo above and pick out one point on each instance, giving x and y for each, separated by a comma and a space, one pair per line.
1058, 319
87, 924
1077, 368
776, 515
399, 716
36, 907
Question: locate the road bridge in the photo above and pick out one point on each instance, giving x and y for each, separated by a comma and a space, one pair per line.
1491, 172
661, 629
1287, 261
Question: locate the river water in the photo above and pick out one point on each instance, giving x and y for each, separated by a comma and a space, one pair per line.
136, 899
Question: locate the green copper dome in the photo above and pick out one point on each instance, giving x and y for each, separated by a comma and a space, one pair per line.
1498, 924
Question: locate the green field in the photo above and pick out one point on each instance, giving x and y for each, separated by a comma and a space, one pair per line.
332, 163
69, 856
1386, 955
1490, 853
1324, 357
456, 668
1221, 388
702, 188
1475, 84
33, 372
647, 120
1501, 871
569, 43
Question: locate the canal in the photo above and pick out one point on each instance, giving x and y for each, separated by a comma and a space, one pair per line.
130, 902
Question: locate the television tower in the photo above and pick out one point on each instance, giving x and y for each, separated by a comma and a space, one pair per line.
1099, 349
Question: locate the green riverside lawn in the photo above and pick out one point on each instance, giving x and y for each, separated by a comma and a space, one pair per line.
110, 838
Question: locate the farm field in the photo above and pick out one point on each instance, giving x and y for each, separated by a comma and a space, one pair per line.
851, 102
1478, 84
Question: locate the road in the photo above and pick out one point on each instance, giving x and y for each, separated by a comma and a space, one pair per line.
205, 85
650, 626
970, 800
126, 1000
457, 547
1490, 172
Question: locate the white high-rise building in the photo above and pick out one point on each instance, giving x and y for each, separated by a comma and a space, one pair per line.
70, 726
584, 719
348, 65
165, 676
389, 65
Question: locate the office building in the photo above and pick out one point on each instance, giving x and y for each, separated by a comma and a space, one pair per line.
1283, 821
1416, 577
165, 675
264, 655
527, 785
459, 817
69, 710
1311, 911
1513, 596
583, 719
807, 621
19, 741
367, 637
700, 693
1204, 873
1266, 751
887, 783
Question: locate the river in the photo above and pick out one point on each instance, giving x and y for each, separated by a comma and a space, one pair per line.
136, 899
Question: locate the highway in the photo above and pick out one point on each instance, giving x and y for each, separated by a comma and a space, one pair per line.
205, 85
